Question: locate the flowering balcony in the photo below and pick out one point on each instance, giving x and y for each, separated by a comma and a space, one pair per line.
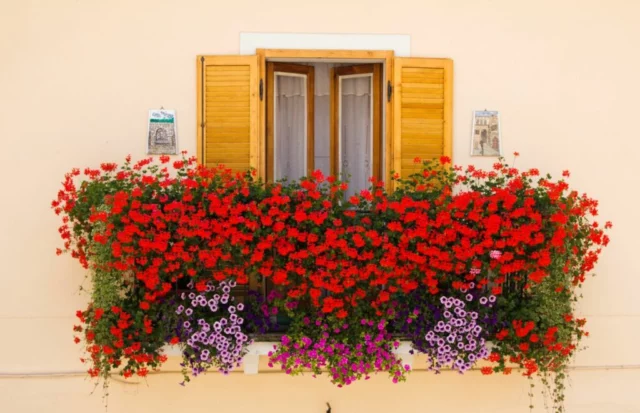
452, 260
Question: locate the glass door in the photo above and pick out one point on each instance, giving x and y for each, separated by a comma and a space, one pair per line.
356, 125
290, 93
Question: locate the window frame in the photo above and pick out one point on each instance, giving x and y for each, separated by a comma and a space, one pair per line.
391, 98
386, 57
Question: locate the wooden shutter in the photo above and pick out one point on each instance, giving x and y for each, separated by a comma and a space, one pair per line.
422, 110
228, 100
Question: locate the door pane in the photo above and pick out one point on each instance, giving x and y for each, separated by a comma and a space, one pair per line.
290, 126
356, 134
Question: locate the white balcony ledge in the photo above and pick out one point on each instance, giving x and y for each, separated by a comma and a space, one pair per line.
262, 348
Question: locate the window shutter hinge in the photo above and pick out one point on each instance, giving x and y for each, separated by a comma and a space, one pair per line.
389, 91
261, 89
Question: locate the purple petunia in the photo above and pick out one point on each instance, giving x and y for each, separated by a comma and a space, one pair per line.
456, 342
214, 329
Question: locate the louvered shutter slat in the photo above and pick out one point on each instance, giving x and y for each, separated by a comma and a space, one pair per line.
422, 111
228, 96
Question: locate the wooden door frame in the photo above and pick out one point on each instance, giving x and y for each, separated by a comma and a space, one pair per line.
357, 56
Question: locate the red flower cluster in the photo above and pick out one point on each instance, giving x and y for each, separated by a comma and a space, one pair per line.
124, 339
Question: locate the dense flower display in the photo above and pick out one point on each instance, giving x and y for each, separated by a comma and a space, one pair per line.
452, 259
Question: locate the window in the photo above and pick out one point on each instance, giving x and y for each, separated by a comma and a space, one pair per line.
350, 113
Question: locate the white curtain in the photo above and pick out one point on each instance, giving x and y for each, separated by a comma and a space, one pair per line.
322, 107
355, 126
355, 132
290, 127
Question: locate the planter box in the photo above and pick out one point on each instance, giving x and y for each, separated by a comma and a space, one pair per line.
262, 348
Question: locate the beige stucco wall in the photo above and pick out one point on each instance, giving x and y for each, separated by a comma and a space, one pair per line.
78, 76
